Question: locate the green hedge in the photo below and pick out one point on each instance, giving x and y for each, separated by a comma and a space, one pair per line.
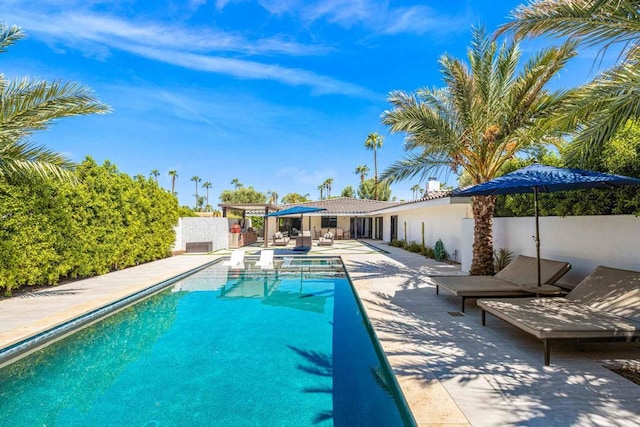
51, 230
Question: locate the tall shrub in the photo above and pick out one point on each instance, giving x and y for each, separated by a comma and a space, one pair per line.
54, 230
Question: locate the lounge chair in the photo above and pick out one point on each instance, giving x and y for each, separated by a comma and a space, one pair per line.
606, 304
280, 240
266, 259
326, 240
236, 260
507, 283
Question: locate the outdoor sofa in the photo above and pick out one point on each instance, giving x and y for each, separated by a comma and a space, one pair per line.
280, 240
606, 304
326, 240
507, 283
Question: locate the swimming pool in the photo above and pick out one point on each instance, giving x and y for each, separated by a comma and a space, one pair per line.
225, 347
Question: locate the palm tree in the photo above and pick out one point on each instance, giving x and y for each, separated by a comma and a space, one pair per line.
321, 188
155, 173
273, 196
487, 113
362, 170
196, 179
207, 185
327, 184
173, 174
28, 105
373, 142
236, 183
605, 104
416, 190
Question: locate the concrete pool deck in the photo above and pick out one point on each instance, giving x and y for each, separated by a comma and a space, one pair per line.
452, 370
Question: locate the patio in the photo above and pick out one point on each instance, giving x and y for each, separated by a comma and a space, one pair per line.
452, 370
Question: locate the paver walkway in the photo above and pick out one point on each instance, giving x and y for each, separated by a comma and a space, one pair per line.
452, 370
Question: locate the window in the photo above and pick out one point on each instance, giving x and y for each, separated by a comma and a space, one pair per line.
329, 221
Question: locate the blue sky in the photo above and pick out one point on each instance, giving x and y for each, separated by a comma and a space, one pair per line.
280, 94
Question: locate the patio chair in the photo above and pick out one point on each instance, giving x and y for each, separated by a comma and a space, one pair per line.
507, 283
236, 260
606, 304
326, 240
339, 234
280, 240
266, 259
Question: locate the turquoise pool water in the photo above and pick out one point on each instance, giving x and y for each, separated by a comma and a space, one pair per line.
221, 347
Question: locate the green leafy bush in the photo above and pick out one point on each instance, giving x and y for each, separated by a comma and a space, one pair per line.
52, 230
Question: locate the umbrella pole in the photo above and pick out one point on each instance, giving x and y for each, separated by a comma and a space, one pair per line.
537, 236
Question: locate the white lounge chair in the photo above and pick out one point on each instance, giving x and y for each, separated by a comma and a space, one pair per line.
266, 259
236, 260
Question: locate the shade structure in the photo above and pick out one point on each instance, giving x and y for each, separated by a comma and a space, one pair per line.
546, 179
297, 210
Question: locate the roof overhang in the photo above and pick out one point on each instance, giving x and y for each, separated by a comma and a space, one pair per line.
251, 209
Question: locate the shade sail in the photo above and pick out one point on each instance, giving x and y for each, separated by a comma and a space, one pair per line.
296, 210
546, 179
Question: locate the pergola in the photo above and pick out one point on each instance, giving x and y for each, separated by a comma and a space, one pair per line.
251, 209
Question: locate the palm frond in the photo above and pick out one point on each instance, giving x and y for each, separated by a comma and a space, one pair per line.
9, 35
422, 165
601, 108
26, 160
29, 105
589, 21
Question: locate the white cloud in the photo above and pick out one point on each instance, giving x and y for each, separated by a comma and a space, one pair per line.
378, 17
181, 47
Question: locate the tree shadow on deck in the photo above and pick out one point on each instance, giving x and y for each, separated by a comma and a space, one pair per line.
495, 369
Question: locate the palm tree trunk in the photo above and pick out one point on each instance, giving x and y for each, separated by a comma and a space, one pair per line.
375, 181
173, 185
483, 207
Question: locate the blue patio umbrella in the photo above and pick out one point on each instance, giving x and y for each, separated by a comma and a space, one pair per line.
295, 210
545, 179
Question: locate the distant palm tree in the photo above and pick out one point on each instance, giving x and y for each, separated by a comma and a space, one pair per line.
327, 185
488, 112
196, 179
373, 142
155, 173
207, 185
173, 174
28, 105
321, 188
273, 196
362, 170
416, 190
236, 183
605, 104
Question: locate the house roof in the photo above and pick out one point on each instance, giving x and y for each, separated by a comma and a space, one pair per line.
345, 206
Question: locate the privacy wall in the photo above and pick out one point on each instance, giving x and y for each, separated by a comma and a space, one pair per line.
584, 241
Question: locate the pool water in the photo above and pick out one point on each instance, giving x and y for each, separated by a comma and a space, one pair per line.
221, 347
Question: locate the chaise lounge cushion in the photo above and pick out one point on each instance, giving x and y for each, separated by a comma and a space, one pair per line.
605, 304
522, 270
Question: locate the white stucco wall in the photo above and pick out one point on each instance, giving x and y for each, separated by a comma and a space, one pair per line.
442, 220
202, 229
584, 241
